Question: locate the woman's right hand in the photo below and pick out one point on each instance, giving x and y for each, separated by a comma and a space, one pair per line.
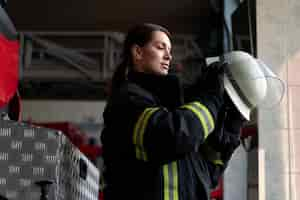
212, 80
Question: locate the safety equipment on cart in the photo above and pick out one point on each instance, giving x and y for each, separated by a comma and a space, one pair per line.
249, 83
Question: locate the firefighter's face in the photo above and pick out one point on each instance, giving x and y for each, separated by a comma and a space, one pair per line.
155, 56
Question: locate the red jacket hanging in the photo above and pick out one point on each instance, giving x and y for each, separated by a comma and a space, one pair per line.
9, 73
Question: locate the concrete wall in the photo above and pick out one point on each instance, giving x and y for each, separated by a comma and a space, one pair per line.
278, 40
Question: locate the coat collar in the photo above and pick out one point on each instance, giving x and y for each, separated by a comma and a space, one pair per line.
166, 88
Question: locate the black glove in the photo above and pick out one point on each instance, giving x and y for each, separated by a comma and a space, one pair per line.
234, 119
208, 88
211, 85
226, 136
212, 80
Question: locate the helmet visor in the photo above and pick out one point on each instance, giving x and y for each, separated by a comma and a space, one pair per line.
275, 87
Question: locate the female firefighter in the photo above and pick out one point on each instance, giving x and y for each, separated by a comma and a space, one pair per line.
158, 143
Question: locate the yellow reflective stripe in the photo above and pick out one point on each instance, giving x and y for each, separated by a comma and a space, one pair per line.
138, 133
166, 182
170, 176
137, 126
208, 114
200, 117
218, 162
175, 181
139, 153
211, 155
144, 125
203, 115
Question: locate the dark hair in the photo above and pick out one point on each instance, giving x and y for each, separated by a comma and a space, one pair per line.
140, 35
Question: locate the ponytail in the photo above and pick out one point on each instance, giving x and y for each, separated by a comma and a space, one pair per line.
120, 75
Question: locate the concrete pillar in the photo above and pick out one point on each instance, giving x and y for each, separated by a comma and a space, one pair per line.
278, 44
235, 176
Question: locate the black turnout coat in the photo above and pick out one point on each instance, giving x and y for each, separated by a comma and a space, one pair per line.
161, 145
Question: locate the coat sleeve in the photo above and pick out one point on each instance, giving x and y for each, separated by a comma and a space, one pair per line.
156, 133
221, 144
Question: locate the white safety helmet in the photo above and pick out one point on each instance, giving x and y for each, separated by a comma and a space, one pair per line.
244, 81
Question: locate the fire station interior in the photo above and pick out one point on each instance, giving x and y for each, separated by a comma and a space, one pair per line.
67, 52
